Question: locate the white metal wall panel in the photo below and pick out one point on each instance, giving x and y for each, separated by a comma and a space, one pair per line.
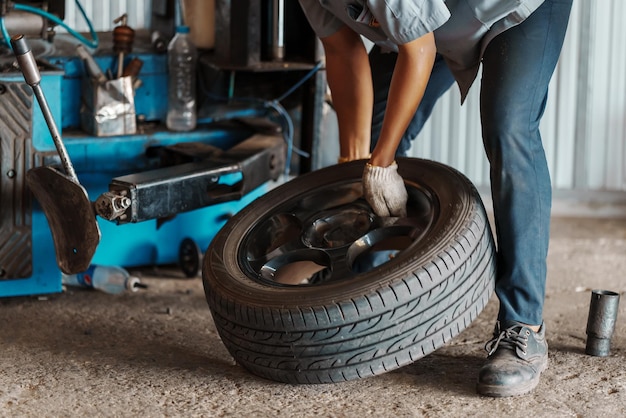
606, 94
616, 173
452, 135
103, 13
558, 125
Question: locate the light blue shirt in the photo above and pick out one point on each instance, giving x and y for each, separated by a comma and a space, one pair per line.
463, 28
387, 23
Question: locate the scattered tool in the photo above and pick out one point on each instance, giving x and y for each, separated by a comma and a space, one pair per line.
158, 42
133, 68
123, 38
93, 69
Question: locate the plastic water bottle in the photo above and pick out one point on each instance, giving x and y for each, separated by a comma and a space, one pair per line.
109, 279
182, 57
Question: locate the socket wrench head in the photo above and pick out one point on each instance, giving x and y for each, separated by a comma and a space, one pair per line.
601, 322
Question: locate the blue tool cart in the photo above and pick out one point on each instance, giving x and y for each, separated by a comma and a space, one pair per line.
155, 194
153, 165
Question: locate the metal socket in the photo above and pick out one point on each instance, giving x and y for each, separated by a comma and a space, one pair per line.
601, 322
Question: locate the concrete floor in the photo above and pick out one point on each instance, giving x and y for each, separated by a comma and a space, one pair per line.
156, 353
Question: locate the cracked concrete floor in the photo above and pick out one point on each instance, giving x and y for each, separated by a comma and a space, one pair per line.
156, 353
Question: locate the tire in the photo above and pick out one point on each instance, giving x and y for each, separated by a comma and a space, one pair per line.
356, 317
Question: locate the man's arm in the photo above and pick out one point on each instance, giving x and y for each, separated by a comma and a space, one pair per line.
350, 81
410, 77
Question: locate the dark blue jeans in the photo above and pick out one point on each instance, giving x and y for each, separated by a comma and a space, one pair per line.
516, 70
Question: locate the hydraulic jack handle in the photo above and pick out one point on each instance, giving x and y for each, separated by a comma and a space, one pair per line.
64, 201
27, 63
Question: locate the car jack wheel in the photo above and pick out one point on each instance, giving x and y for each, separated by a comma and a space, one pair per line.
189, 257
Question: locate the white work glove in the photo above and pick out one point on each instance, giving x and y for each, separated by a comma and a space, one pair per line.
384, 190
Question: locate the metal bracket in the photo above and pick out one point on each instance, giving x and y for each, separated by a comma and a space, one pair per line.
164, 192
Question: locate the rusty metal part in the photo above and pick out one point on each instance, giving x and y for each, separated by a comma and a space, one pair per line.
70, 215
133, 68
123, 35
603, 310
157, 194
111, 206
93, 69
123, 38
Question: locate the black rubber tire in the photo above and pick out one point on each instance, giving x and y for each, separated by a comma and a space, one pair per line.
373, 323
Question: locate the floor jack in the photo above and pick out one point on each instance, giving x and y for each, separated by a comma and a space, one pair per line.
196, 176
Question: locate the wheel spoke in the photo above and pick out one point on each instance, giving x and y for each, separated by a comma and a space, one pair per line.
329, 235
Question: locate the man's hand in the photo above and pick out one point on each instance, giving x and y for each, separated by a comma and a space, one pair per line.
384, 190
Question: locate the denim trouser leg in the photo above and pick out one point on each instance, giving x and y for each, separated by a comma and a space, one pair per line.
517, 68
511, 109
382, 65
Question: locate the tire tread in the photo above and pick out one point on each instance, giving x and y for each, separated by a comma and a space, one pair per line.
364, 335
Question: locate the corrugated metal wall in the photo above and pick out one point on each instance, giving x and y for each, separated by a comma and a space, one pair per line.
103, 13
584, 128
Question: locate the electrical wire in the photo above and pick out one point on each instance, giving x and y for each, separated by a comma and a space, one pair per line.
5, 34
277, 107
287, 134
93, 43
313, 70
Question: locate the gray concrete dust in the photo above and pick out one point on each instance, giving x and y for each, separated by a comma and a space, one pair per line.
156, 353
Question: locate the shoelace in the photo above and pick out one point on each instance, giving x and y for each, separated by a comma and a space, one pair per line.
510, 338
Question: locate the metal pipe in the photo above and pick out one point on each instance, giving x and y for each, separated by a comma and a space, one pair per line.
25, 23
28, 65
601, 322
278, 30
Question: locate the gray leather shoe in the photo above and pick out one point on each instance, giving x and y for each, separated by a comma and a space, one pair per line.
517, 356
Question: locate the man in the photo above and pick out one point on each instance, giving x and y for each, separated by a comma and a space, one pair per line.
518, 43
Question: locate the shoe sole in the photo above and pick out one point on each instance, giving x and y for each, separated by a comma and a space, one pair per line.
496, 391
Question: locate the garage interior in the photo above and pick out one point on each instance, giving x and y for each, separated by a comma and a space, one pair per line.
155, 351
